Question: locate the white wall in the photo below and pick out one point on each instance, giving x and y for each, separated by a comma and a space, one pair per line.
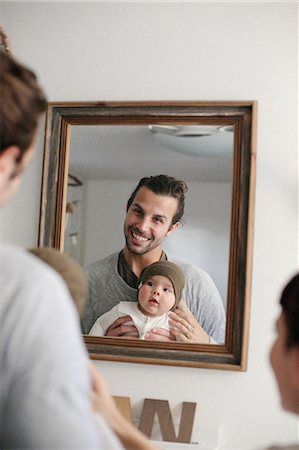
168, 51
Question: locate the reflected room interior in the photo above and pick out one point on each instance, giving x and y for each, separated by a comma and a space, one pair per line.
102, 177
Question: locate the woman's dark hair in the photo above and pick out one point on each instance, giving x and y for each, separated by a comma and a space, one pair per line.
290, 305
21, 103
167, 186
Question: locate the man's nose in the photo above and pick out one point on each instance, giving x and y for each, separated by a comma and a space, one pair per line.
143, 224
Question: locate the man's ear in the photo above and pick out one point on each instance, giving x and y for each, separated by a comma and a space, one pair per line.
173, 227
8, 159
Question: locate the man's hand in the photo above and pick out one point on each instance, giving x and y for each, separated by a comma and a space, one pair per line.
120, 329
185, 327
159, 334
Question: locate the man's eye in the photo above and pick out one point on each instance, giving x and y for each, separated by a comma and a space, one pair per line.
158, 220
138, 212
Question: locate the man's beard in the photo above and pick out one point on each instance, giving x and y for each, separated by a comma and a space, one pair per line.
142, 250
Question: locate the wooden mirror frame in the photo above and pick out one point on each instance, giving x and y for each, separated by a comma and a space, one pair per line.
242, 115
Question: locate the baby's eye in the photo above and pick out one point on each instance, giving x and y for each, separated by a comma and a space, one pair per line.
167, 290
149, 283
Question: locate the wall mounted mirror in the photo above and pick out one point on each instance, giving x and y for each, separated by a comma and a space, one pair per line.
95, 154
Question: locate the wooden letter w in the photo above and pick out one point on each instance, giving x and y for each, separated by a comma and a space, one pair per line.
161, 407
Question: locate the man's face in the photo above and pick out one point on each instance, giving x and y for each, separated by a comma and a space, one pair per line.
148, 221
285, 365
10, 172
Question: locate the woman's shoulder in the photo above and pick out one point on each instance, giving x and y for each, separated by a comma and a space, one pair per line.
24, 268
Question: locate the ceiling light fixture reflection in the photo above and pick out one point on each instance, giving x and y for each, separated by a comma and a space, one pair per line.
196, 140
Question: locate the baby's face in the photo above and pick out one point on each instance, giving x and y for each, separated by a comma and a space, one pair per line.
156, 296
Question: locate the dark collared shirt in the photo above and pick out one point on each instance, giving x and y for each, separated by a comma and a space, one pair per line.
127, 273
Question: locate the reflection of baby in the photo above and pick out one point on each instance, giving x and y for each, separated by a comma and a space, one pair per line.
160, 288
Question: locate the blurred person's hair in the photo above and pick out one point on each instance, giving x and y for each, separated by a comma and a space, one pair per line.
21, 102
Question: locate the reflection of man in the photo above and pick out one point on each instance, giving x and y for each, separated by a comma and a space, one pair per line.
284, 356
154, 211
45, 386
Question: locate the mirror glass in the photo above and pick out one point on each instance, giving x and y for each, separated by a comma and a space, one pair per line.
105, 165
95, 155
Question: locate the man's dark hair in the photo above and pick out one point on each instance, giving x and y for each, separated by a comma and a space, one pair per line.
290, 305
21, 103
167, 186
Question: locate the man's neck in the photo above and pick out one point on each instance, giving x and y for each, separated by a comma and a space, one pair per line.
138, 262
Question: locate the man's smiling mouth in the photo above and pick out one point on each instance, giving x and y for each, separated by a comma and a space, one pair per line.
138, 237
